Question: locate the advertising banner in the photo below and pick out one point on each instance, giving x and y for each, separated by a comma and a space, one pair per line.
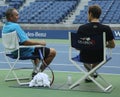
57, 34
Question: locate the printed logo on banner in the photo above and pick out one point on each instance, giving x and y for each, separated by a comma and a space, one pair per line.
47, 34
36, 34
116, 34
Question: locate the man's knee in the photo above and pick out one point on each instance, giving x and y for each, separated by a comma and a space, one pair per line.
52, 52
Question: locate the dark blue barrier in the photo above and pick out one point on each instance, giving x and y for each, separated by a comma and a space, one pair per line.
48, 34
57, 34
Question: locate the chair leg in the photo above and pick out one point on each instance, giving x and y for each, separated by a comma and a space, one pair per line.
16, 78
12, 72
105, 88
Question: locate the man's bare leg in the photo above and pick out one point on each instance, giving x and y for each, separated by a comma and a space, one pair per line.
88, 68
48, 60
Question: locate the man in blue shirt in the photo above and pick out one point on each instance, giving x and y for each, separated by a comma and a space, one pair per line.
12, 16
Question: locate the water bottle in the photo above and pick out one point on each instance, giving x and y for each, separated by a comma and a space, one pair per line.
69, 80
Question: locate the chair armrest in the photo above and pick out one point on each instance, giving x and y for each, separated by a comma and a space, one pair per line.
26, 46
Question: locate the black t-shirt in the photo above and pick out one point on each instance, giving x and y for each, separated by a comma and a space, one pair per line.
94, 56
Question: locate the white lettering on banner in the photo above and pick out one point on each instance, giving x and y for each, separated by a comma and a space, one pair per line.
30, 34
36, 34
117, 33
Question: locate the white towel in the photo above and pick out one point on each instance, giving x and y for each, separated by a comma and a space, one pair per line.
41, 79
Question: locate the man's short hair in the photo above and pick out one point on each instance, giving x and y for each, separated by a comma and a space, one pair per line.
95, 10
9, 12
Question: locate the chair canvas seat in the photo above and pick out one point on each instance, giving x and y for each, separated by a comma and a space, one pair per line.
77, 59
98, 43
22, 57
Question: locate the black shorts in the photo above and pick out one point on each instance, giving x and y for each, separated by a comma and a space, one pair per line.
45, 51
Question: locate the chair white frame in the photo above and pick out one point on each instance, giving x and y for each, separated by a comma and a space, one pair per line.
12, 64
105, 88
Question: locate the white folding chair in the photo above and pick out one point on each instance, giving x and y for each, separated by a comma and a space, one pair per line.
99, 42
11, 43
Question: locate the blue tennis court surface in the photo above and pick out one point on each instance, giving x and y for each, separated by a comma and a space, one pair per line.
62, 63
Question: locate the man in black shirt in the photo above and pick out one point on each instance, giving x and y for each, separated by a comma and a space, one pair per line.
93, 27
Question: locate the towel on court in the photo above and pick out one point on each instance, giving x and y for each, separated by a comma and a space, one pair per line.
41, 79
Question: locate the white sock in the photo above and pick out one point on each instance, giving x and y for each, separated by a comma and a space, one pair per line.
35, 67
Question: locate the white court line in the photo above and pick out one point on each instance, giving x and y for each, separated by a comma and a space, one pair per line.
69, 65
116, 53
76, 52
68, 44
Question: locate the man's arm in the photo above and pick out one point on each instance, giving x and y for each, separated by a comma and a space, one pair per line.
110, 44
32, 42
